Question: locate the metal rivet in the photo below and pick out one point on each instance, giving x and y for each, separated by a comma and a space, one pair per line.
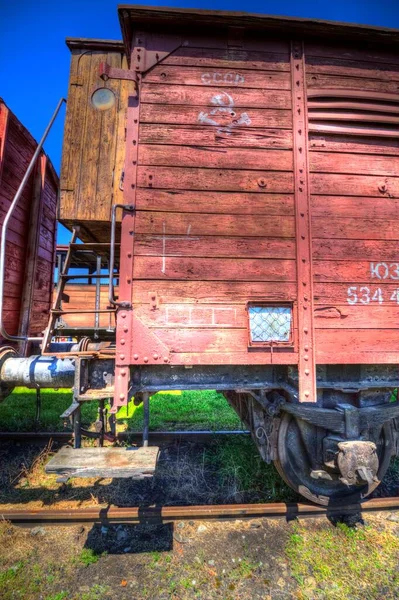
121, 396
306, 394
306, 357
155, 356
129, 255
122, 356
123, 373
305, 329
306, 348
145, 359
125, 329
136, 356
165, 359
123, 315
306, 371
123, 342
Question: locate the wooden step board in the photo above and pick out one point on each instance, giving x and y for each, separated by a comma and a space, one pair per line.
104, 462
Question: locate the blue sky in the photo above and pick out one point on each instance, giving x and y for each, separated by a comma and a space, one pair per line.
34, 60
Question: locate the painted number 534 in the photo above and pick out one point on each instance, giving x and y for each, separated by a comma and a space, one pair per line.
365, 295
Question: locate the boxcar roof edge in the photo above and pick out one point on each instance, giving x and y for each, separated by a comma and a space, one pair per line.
133, 15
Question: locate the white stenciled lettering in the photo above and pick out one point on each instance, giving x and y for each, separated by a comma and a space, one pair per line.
352, 295
365, 295
384, 270
217, 78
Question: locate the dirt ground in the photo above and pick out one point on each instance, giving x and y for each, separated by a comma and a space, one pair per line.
187, 560
255, 559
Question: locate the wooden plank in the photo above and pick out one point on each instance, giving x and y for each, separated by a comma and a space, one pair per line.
186, 316
364, 53
371, 316
354, 185
256, 356
354, 83
215, 246
357, 229
354, 249
218, 292
178, 178
86, 206
105, 164
324, 162
127, 88
338, 293
73, 146
256, 118
188, 225
367, 70
341, 143
235, 316
231, 137
104, 462
356, 207
214, 202
228, 58
367, 130
212, 96
356, 342
350, 117
213, 269
379, 273
221, 77
226, 158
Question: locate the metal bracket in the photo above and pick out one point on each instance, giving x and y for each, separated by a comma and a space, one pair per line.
106, 72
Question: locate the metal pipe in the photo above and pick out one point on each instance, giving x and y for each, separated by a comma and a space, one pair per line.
146, 414
38, 371
98, 297
128, 207
3, 243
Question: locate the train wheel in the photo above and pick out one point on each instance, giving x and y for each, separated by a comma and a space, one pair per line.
294, 464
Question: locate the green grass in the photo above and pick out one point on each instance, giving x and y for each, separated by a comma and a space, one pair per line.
170, 411
239, 467
89, 557
344, 563
17, 412
188, 410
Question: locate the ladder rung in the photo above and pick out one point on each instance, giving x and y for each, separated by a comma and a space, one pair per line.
60, 311
89, 276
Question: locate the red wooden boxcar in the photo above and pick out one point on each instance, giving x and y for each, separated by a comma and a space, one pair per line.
32, 230
248, 169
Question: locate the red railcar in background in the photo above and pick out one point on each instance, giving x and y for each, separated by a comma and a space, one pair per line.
31, 235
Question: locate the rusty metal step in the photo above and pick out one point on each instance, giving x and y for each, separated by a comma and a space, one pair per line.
104, 462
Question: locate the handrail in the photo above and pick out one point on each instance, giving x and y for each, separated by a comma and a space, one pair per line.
130, 208
3, 332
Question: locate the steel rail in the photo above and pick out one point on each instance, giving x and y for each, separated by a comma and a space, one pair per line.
3, 243
168, 514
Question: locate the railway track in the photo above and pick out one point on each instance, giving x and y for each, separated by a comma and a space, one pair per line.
112, 515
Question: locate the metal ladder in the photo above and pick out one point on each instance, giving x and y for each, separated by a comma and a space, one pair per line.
64, 277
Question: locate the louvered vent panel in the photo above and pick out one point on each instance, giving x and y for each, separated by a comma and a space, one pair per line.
353, 112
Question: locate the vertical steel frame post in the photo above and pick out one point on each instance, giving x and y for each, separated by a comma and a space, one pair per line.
306, 342
124, 318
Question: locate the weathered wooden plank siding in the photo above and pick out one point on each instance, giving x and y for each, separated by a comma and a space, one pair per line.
215, 219
32, 229
355, 208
